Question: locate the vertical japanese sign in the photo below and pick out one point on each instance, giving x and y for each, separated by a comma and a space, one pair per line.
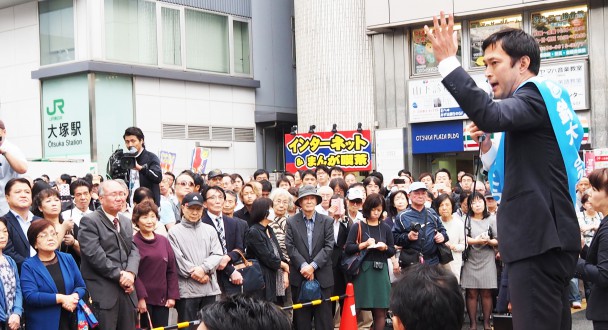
351, 150
561, 32
65, 117
200, 156
167, 160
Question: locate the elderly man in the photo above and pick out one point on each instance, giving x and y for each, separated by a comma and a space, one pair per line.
419, 228
110, 259
12, 163
198, 253
310, 242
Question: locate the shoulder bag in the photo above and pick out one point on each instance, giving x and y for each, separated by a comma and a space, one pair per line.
351, 264
444, 253
253, 279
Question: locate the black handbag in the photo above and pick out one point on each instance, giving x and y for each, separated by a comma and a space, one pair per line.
250, 269
351, 264
444, 253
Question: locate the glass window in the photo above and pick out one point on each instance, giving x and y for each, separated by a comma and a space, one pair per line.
561, 32
422, 51
482, 29
56, 31
207, 41
172, 43
130, 27
242, 60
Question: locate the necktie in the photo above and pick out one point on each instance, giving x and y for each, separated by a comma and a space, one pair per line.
116, 224
220, 231
309, 229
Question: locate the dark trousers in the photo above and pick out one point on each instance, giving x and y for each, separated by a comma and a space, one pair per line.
320, 314
538, 288
159, 315
120, 316
600, 325
188, 308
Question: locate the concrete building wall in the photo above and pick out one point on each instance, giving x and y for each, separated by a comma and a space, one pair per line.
19, 93
334, 65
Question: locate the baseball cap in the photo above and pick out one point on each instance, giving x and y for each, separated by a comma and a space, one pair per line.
417, 186
354, 193
192, 199
488, 195
214, 173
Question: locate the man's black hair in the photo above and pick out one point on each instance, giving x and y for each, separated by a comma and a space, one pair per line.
308, 172
517, 44
425, 174
266, 186
79, 183
377, 175
134, 131
260, 172
444, 170
66, 178
337, 169
322, 168
238, 312
216, 188
142, 193
428, 298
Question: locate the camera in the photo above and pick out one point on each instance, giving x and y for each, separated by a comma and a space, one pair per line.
415, 227
121, 162
379, 265
490, 233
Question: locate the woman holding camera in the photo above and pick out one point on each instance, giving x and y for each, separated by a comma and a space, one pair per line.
372, 285
479, 271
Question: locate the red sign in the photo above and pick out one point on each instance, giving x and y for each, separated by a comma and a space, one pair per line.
351, 150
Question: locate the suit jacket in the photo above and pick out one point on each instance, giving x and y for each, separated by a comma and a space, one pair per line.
336, 254
322, 246
234, 240
536, 211
17, 246
151, 174
104, 253
595, 270
259, 246
39, 290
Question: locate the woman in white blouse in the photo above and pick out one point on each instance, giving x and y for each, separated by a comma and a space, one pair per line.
445, 207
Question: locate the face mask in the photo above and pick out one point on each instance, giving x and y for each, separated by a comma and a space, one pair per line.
271, 214
427, 204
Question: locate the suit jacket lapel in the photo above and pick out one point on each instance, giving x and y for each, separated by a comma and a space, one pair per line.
17, 228
303, 232
44, 274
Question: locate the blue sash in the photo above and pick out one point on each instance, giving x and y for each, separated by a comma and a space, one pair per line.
568, 131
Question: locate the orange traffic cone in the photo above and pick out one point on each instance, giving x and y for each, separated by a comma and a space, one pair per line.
349, 314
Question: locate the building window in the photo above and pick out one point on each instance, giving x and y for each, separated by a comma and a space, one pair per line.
561, 32
242, 61
481, 29
56, 31
207, 41
130, 27
171, 36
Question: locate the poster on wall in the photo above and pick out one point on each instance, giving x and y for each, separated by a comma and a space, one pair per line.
561, 32
167, 160
200, 156
430, 101
573, 76
595, 159
351, 150
423, 58
65, 118
482, 29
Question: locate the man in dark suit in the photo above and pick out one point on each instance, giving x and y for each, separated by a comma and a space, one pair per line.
230, 235
310, 242
147, 172
110, 259
18, 219
540, 237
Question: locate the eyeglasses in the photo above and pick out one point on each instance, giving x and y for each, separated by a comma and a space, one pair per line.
185, 183
45, 235
281, 202
216, 197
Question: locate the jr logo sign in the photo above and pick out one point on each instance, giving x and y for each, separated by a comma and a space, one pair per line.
57, 105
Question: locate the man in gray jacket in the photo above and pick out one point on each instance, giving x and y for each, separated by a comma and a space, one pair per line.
198, 252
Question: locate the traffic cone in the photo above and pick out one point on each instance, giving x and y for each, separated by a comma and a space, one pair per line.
349, 314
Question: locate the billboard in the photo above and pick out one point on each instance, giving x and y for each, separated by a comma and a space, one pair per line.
351, 150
